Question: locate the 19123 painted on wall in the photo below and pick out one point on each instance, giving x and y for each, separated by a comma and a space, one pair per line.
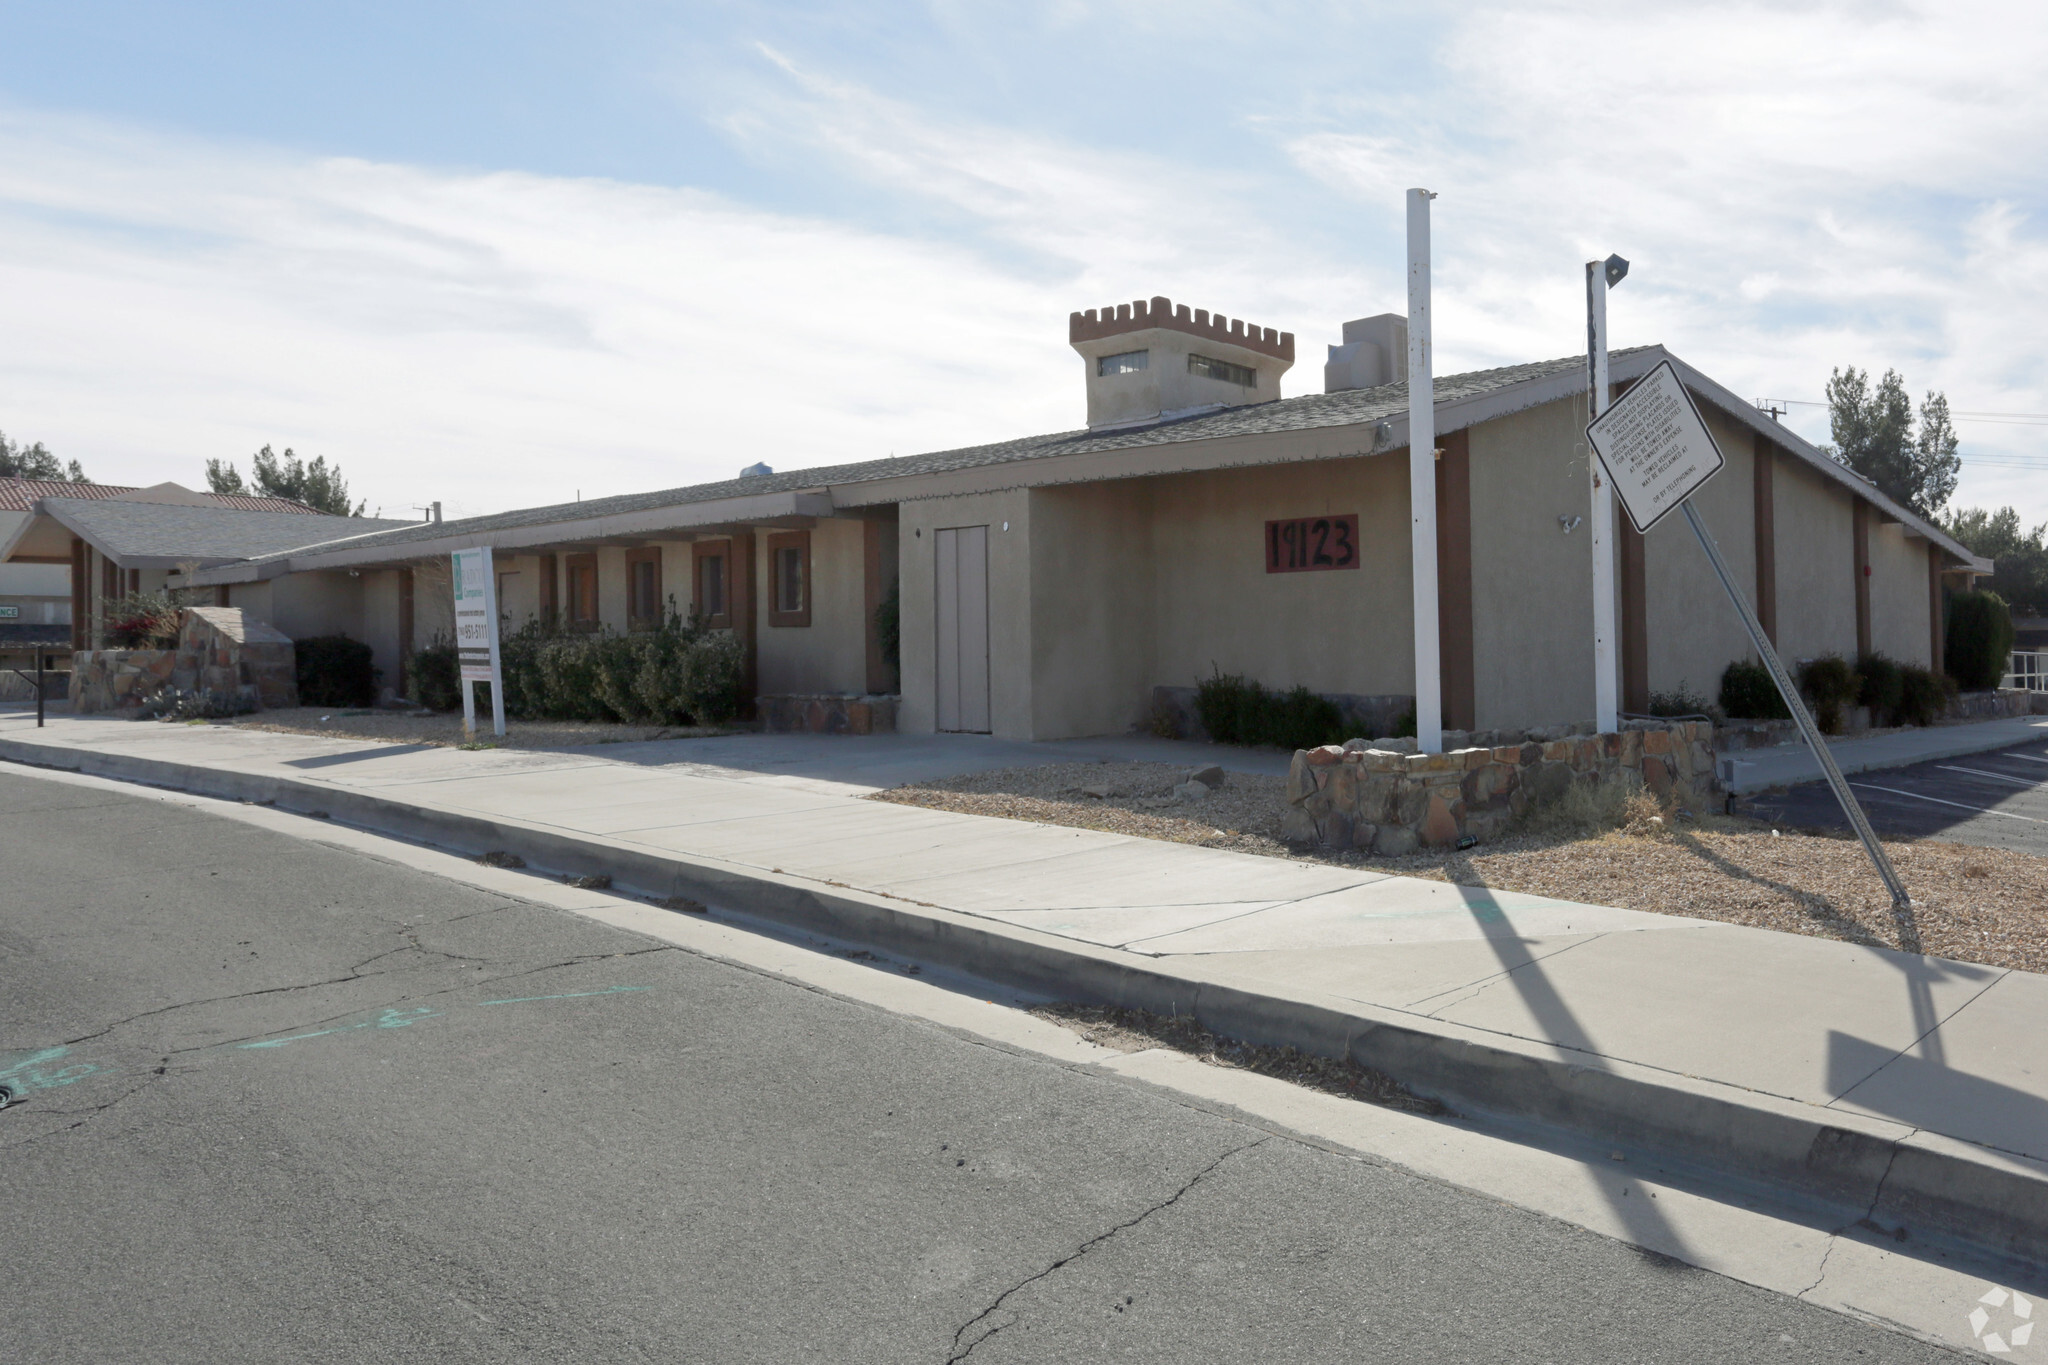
1303, 544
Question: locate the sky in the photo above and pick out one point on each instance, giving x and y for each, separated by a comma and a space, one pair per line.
497, 255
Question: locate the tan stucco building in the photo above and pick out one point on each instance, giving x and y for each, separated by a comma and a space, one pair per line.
1200, 523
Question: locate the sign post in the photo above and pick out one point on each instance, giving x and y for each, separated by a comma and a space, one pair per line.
476, 636
1657, 453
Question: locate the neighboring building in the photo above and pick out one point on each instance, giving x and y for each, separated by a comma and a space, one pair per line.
1200, 523
35, 598
96, 543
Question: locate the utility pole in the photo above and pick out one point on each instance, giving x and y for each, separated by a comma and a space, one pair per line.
1600, 277
1429, 696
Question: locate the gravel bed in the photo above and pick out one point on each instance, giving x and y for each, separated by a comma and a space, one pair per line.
1971, 904
402, 727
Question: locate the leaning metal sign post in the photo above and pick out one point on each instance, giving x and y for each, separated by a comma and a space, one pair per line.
476, 636
1657, 453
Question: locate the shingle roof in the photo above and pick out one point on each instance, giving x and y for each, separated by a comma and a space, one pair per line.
20, 634
18, 495
1350, 408
166, 531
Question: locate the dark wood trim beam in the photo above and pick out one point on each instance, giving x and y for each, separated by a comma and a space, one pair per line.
1937, 642
746, 626
1763, 488
405, 640
1454, 581
81, 590
1635, 617
1860, 539
878, 572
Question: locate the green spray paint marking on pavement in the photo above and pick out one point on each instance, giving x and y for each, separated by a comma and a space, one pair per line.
571, 995
391, 1018
31, 1073
36, 1070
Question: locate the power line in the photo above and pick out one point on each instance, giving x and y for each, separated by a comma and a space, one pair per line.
2023, 418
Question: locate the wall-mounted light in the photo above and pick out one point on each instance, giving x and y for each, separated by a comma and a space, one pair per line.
1568, 523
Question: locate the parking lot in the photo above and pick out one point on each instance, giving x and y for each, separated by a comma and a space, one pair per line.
1995, 800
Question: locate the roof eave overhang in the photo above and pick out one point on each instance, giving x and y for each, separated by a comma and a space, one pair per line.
1349, 440
756, 508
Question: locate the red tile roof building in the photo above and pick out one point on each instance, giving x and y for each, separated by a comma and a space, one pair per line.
19, 495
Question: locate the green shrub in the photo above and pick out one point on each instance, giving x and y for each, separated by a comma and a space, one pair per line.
679, 674
434, 677
335, 671
1830, 685
1229, 705
1879, 687
1980, 636
1923, 695
1747, 693
1679, 701
1236, 710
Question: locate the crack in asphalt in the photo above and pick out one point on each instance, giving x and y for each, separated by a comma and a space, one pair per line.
1077, 1253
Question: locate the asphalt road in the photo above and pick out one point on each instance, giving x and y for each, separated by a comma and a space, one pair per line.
1993, 800
283, 1102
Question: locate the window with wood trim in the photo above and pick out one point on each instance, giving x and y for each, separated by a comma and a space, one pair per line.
789, 578
548, 605
643, 588
711, 563
582, 592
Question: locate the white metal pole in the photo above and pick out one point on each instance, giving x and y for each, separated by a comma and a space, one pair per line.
1606, 710
1429, 700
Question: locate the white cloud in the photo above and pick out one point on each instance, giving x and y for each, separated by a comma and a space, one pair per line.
1798, 187
491, 340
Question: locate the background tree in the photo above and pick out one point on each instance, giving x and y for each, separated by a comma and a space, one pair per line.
318, 485
2021, 576
1874, 435
35, 462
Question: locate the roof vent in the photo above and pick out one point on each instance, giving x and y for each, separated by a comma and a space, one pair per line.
1375, 352
1150, 361
755, 471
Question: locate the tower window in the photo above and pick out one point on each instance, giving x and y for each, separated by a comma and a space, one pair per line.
1127, 362
1208, 368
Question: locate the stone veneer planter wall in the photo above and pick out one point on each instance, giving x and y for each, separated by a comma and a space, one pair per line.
218, 651
827, 714
1382, 796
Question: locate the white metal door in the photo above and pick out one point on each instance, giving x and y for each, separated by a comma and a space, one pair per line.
963, 628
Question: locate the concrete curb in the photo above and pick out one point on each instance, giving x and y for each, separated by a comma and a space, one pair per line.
1837, 1169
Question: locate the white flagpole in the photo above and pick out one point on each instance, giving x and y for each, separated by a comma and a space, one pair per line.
1606, 708
1429, 703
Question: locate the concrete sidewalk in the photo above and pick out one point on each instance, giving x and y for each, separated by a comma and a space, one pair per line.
1907, 1091
1784, 765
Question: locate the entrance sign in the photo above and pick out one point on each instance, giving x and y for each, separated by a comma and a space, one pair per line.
476, 636
1655, 447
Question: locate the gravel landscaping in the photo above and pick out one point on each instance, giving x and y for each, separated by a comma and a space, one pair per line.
445, 728
1972, 904
1126, 1030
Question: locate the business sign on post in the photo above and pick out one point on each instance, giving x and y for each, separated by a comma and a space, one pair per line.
1655, 447
476, 634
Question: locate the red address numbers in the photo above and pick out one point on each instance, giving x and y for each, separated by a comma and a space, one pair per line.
1304, 544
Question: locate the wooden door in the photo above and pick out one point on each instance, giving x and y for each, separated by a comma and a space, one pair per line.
962, 635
